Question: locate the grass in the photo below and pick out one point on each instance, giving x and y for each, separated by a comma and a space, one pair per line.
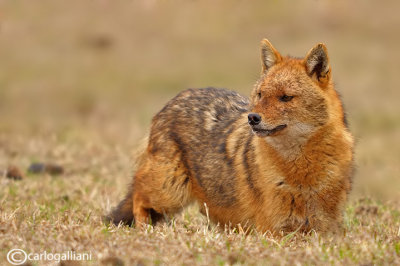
64, 213
79, 88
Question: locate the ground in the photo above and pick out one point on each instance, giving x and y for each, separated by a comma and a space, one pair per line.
80, 81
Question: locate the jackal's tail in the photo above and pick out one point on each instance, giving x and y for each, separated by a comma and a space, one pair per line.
123, 213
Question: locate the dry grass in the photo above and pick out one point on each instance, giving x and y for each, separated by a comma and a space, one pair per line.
64, 213
80, 81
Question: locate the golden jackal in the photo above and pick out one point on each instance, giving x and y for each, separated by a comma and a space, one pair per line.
280, 161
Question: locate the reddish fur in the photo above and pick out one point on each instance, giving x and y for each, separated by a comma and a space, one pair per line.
294, 183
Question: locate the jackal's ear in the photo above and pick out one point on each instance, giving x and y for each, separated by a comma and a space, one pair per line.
317, 64
269, 55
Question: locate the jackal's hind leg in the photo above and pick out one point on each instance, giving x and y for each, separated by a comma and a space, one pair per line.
161, 186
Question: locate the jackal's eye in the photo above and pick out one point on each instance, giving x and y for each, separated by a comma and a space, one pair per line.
285, 98
259, 95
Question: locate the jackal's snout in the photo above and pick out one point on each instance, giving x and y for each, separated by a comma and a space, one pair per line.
254, 119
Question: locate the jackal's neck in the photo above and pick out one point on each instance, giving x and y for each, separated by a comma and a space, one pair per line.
290, 146
327, 147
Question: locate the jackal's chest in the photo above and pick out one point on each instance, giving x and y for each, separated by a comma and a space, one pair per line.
299, 210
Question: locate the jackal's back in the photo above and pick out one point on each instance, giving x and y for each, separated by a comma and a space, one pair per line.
198, 123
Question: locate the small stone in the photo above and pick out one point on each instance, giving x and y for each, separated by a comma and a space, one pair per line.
36, 168
54, 169
50, 168
112, 261
13, 172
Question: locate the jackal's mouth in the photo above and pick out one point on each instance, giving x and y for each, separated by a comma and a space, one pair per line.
262, 132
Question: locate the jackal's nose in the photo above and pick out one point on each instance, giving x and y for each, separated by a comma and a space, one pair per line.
254, 119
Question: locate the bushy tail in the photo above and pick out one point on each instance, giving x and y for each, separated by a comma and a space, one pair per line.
123, 213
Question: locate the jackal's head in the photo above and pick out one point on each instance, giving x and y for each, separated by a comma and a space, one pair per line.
293, 97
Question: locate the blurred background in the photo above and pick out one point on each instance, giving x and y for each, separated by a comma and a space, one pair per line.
80, 80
